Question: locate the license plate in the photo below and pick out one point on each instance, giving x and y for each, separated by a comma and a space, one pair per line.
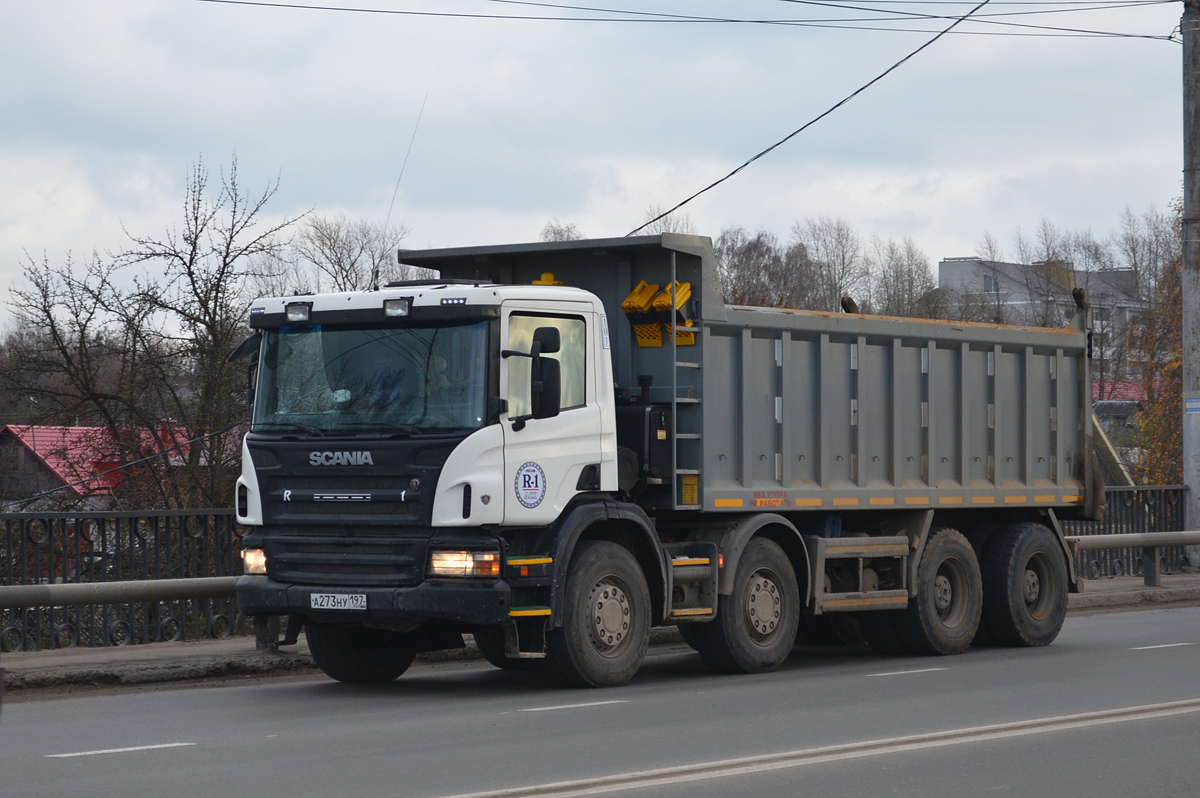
337, 601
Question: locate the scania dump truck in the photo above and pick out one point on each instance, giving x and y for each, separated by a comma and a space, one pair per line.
557, 446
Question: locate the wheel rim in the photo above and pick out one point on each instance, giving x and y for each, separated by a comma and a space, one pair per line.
763, 606
610, 617
950, 593
1038, 587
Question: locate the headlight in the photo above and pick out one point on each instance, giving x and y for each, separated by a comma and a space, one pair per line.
464, 563
254, 561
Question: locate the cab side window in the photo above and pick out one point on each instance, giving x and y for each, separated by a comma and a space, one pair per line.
572, 358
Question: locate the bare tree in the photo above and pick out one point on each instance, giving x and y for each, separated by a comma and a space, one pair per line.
333, 253
145, 355
901, 279
560, 231
673, 223
348, 255
989, 248
747, 266
836, 254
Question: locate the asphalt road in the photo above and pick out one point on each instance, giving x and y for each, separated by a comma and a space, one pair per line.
472, 729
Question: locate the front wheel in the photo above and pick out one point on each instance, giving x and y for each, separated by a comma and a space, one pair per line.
606, 619
358, 654
755, 627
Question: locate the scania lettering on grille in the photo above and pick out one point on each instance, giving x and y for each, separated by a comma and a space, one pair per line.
339, 458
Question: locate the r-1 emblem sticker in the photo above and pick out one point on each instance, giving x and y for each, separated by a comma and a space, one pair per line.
530, 485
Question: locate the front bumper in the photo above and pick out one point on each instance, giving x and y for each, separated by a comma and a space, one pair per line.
441, 600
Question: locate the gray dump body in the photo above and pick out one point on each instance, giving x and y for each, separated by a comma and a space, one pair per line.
805, 411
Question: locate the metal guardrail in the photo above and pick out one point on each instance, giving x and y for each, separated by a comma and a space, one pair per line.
1149, 542
77, 595
79, 571
1131, 511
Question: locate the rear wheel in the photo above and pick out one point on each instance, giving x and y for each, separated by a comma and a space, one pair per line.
944, 615
358, 654
606, 619
1025, 586
755, 627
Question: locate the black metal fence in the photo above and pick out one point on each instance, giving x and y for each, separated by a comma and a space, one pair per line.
1157, 508
42, 548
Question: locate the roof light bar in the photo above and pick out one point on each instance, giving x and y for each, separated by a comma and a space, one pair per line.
396, 308
298, 311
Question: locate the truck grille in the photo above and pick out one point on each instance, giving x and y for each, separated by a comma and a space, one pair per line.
331, 499
350, 560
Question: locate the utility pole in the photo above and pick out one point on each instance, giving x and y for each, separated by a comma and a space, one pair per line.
1189, 28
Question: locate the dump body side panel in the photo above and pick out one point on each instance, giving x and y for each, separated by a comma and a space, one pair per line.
810, 411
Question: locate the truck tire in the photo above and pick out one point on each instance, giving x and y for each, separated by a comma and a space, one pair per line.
755, 627
357, 654
490, 640
606, 619
1025, 586
944, 615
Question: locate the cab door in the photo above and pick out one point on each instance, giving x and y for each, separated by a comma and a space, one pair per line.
544, 457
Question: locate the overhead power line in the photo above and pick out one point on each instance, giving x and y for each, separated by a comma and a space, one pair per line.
898, 22
815, 119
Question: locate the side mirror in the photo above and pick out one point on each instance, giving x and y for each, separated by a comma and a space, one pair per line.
545, 375
548, 338
251, 379
547, 391
248, 349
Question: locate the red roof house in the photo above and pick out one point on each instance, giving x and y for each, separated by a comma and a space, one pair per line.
37, 459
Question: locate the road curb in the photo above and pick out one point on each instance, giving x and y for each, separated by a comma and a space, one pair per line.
1149, 597
143, 673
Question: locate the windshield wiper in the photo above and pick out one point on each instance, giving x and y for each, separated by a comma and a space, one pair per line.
316, 432
379, 426
404, 429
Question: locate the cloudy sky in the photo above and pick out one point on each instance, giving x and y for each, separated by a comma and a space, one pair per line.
104, 107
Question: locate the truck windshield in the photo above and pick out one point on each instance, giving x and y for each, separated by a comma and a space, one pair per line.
329, 379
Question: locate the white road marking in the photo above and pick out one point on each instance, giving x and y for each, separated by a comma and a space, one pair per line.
120, 750
905, 673
572, 706
789, 759
1164, 645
